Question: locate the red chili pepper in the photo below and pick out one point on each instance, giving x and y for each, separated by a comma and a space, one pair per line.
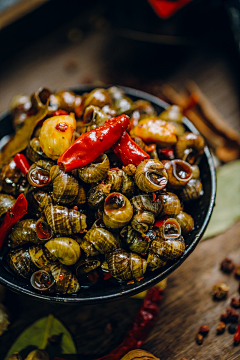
107, 275
128, 152
60, 112
141, 326
92, 144
22, 163
236, 337
17, 211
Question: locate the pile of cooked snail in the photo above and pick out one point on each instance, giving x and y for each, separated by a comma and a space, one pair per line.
105, 219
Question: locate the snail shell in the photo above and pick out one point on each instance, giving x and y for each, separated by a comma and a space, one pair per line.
125, 266
9, 178
172, 113
6, 202
96, 171
170, 229
185, 221
39, 173
139, 354
190, 147
179, 173
151, 175
92, 118
145, 202
192, 191
97, 195
171, 204
65, 186
65, 281
40, 255
42, 280
162, 250
34, 151
142, 221
98, 97
98, 240
40, 199
128, 185
64, 221
118, 210
85, 265
20, 262
66, 250
23, 232
66, 100
115, 179
136, 242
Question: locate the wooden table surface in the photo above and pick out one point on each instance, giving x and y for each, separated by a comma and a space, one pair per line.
97, 56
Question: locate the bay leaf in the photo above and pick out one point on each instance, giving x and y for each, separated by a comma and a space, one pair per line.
227, 209
37, 334
21, 138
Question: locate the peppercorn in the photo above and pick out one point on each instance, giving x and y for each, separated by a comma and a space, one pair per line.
220, 291
235, 302
199, 339
232, 329
227, 266
204, 329
237, 271
221, 328
230, 316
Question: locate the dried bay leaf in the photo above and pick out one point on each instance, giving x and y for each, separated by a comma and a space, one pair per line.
37, 334
21, 138
227, 209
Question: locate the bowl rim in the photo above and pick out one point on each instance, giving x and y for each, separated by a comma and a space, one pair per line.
141, 286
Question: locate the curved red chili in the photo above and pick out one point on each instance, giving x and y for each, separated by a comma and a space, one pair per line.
22, 163
17, 211
128, 152
92, 144
60, 112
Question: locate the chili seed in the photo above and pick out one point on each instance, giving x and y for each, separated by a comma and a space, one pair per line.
227, 266
204, 329
221, 328
199, 339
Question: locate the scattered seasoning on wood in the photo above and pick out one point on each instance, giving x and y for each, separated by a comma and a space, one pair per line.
221, 328
142, 325
199, 339
230, 316
237, 272
204, 330
220, 291
227, 266
232, 329
236, 338
235, 302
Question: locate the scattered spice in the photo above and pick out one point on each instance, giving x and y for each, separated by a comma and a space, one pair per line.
221, 328
232, 329
237, 272
235, 302
236, 338
199, 339
220, 291
230, 316
204, 330
227, 266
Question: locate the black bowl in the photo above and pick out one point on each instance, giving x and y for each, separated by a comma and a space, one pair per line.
111, 290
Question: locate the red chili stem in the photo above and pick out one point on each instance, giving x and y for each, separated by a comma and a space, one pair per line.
90, 145
128, 152
141, 327
17, 211
236, 337
22, 163
60, 112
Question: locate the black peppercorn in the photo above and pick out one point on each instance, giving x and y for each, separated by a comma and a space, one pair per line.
232, 329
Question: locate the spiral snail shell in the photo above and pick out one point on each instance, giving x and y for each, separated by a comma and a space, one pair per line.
118, 210
95, 171
65, 186
151, 175
98, 241
66, 250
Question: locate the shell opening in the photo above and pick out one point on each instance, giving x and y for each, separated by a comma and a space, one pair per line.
41, 280
190, 155
44, 232
38, 177
181, 170
157, 179
171, 229
114, 201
